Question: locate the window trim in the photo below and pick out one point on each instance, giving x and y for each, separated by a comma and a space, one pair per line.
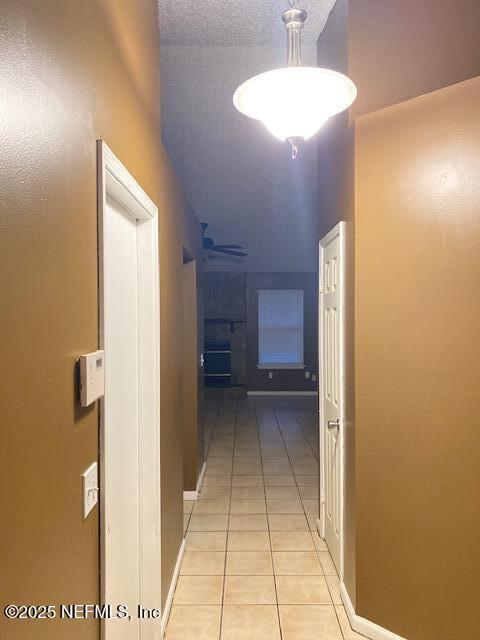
279, 365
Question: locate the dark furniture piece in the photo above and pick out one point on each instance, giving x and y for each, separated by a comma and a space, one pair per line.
218, 364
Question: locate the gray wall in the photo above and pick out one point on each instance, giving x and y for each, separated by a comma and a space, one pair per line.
234, 295
283, 379
225, 297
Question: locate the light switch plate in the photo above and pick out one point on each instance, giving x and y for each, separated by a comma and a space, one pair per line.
270, 375
314, 377
307, 374
90, 489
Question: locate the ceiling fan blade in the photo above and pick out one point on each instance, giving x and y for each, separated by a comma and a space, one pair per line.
229, 246
229, 252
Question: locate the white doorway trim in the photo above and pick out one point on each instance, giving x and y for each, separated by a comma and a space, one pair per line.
337, 231
117, 183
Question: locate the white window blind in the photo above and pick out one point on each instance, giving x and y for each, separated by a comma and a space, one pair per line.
280, 327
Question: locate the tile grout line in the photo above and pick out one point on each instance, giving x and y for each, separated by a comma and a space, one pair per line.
311, 534
207, 452
268, 524
336, 613
307, 440
228, 521
303, 506
294, 475
273, 432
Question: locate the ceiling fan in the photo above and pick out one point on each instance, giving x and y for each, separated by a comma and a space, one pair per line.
228, 249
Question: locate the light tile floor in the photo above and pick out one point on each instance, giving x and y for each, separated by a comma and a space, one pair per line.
255, 567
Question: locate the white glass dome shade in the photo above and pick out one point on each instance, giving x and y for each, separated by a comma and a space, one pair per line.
295, 101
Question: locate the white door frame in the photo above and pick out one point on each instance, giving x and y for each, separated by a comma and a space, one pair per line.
338, 230
115, 181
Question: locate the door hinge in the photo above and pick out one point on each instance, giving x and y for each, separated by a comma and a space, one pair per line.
320, 287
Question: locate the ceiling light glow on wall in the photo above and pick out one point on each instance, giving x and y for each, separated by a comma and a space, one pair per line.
295, 101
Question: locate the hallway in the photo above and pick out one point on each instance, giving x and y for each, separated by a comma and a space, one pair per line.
254, 566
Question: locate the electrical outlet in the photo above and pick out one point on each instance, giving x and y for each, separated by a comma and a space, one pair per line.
270, 375
307, 374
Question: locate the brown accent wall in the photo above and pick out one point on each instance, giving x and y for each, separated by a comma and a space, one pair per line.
72, 73
394, 51
336, 203
402, 49
418, 365
284, 379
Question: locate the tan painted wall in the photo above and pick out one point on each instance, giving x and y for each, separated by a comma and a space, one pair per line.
72, 73
418, 365
393, 51
400, 49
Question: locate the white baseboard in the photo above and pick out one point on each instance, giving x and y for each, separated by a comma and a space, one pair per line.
282, 393
193, 495
362, 625
171, 591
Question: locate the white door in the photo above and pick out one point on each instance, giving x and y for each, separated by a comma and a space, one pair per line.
331, 393
130, 492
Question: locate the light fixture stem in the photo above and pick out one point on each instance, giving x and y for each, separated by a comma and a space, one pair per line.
294, 19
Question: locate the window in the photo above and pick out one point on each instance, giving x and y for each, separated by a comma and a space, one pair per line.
280, 328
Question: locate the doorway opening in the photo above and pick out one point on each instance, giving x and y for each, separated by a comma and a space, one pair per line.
129, 318
331, 392
192, 380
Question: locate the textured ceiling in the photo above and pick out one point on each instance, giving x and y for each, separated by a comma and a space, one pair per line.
235, 23
237, 176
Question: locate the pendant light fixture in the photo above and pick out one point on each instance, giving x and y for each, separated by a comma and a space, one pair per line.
295, 101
